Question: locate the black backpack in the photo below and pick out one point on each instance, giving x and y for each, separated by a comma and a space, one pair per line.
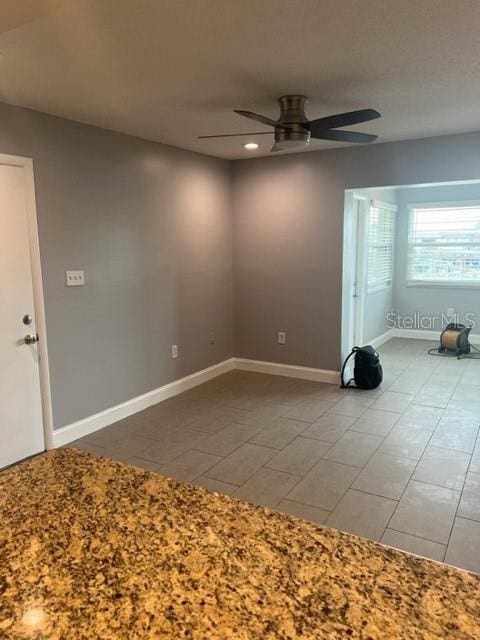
367, 371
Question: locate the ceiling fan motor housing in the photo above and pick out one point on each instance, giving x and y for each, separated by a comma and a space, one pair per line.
292, 112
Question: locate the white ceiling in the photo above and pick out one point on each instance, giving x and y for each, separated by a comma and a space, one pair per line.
170, 70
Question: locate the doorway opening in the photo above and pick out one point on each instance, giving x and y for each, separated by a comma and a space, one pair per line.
411, 262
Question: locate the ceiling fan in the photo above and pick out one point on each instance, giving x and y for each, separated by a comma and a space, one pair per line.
293, 130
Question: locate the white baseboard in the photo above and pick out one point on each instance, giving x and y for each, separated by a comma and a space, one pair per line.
379, 340
93, 423
289, 370
420, 334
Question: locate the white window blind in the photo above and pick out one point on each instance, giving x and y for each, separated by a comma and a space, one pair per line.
381, 235
444, 245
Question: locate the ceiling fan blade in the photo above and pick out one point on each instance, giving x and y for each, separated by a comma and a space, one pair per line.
276, 147
262, 119
343, 120
234, 135
344, 136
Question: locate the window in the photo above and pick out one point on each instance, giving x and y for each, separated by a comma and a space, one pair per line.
444, 245
381, 234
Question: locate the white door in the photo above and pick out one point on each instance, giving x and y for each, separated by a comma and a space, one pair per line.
21, 426
359, 285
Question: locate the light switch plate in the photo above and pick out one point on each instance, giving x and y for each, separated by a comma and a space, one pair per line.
75, 278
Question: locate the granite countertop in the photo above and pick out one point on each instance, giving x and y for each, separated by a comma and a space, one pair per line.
91, 548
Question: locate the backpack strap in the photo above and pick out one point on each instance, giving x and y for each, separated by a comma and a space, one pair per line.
343, 385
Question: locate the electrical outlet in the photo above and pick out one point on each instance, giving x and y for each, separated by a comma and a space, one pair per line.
282, 337
211, 337
75, 278
174, 351
450, 312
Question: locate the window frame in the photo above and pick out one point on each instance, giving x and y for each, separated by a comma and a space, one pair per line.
392, 208
437, 284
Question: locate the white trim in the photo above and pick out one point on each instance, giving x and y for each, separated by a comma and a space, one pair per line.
40, 324
420, 334
134, 405
444, 284
382, 204
360, 258
414, 334
457, 204
289, 370
382, 339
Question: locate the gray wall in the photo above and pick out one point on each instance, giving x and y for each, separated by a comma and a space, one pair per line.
431, 301
288, 219
379, 303
151, 226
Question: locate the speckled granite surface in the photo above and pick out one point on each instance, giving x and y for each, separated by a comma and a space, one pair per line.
91, 548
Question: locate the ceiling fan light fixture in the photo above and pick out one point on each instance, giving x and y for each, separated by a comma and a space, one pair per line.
293, 130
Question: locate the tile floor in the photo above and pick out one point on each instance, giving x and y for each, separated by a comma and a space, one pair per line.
400, 464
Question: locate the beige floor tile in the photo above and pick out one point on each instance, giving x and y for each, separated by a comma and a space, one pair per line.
144, 464
109, 435
426, 511
354, 448
385, 475
131, 445
263, 416
411, 544
467, 391
362, 514
405, 385
241, 464
420, 416
162, 453
329, 427
189, 465
460, 438
391, 401
376, 422
303, 511
470, 500
299, 456
457, 430
215, 421
216, 485
181, 435
324, 485
464, 546
281, 432
443, 467
308, 410
433, 396
475, 462
353, 405
84, 445
267, 487
406, 442
242, 415
226, 440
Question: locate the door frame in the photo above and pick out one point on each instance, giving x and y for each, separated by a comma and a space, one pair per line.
360, 268
38, 299
353, 256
